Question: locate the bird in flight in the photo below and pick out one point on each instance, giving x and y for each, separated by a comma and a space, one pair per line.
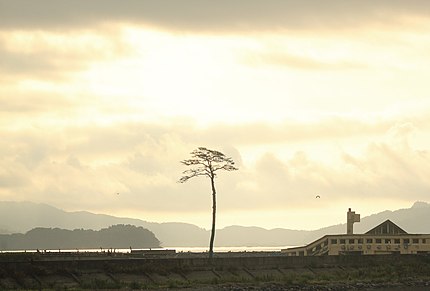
318, 196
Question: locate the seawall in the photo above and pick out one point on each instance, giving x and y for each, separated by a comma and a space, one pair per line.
35, 271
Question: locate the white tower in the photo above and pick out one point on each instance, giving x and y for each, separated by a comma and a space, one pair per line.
351, 217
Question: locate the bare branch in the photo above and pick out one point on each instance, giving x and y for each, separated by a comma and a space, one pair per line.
186, 178
227, 167
193, 162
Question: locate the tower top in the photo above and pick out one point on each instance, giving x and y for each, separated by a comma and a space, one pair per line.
351, 217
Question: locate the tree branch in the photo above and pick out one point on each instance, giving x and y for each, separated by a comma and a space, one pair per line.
207, 162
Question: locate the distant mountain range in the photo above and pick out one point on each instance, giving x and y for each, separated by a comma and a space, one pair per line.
20, 217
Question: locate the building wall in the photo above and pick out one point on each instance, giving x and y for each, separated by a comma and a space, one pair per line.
364, 245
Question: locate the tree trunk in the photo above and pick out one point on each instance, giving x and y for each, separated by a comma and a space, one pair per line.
211, 244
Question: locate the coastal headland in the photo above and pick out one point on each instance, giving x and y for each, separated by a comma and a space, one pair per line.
242, 270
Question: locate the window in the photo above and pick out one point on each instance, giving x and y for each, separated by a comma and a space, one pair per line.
378, 240
342, 241
352, 241
369, 240
397, 240
334, 241
387, 241
424, 241
360, 240
405, 240
415, 241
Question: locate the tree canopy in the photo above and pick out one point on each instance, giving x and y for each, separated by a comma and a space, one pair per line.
206, 162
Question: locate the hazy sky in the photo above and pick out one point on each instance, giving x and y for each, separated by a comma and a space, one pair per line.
326, 98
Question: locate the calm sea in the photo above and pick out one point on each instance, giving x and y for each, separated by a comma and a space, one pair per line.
178, 249
228, 249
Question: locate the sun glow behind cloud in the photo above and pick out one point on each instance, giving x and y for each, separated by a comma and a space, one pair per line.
167, 74
87, 112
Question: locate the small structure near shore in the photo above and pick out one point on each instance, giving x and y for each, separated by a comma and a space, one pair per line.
156, 253
385, 238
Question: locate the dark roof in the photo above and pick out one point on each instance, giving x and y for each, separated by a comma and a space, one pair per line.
387, 227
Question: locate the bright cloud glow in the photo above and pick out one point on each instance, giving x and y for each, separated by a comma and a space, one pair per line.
334, 106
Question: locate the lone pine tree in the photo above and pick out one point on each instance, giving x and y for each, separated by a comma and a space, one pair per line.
206, 162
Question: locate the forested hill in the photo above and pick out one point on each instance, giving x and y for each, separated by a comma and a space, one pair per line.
117, 236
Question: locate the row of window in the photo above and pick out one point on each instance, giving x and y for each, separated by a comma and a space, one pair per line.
377, 240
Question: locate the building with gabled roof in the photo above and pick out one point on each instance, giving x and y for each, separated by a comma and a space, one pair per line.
385, 238
387, 227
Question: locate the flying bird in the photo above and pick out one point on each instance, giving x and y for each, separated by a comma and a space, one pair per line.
318, 196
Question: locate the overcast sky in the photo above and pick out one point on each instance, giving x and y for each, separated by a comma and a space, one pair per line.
327, 98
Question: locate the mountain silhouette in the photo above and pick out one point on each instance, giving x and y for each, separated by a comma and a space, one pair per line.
20, 217
24, 216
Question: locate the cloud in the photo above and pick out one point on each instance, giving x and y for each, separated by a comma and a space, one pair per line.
291, 131
283, 59
24, 104
384, 171
84, 167
206, 15
55, 56
11, 179
80, 80
146, 164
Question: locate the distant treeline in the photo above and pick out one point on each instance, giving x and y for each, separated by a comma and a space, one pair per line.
117, 236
